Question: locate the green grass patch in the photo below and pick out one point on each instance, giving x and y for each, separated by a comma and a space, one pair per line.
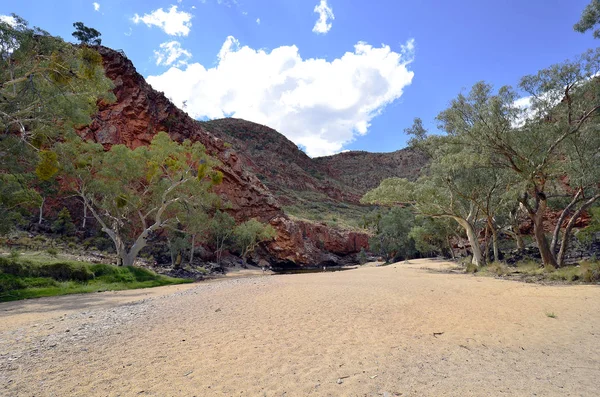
24, 278
585, 272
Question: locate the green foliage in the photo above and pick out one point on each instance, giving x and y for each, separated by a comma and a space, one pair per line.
586, 235
22, 278
47, 86
431, 235
52, 252
589, 19
251, 233
134, 192
16, 198
64, 224
392, 238
86, 35
362, 256
47, 166
418, 133
221, 232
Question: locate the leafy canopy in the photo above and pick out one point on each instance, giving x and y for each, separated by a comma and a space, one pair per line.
86, 35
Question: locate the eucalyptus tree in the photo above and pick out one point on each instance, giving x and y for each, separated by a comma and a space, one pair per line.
47, 86
532, 142
250, 234
393, 239
582, 171
86, 35
590, 18
433, 236
132, 193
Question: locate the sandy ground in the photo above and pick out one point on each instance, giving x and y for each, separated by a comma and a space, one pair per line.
376, 331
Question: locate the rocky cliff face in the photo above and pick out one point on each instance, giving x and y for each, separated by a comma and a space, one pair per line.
140, 112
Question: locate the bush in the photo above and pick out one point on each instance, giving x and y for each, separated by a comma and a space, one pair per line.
590, 271
103, 244
52, 252
498, 268
64, 271
471, 268
64, 224
10, 283
362, 256
22, 268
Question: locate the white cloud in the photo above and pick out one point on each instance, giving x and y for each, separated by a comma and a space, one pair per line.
171, 53
174, 23
317, 104
258, 21
96, 6
8, 19
323, 24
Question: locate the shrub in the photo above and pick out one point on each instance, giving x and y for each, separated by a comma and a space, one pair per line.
590, 271
9, 283
14, 254
362, 256
471, 268
64, 224
22, 268
498, 268
64, 271
52, 252
103, 244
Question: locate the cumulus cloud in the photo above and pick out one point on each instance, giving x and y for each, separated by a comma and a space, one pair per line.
96, 6
174, 23
323, 24
171, 53
317, 104
258, 21
8, 19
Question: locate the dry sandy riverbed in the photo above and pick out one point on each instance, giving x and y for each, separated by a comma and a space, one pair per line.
395, 330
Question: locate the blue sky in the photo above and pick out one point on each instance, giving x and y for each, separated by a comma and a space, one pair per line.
353, 81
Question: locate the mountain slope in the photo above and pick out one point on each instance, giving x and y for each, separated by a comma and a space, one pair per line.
140, 112
325, 189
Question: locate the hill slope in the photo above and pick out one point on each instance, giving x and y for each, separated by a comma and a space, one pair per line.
326, 189
140, 112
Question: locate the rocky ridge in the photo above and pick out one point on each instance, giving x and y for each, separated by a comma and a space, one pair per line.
139, 112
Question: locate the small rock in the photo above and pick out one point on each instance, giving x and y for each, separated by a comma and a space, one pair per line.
339, 381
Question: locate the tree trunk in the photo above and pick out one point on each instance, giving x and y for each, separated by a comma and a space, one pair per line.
478, 259
486, 245
171, 252
450, 246
564, 245
41, 217
494, 241
538, 230
561, 220
519, 238
84, 216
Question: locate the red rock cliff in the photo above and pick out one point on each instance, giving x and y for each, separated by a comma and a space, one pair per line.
140, 112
